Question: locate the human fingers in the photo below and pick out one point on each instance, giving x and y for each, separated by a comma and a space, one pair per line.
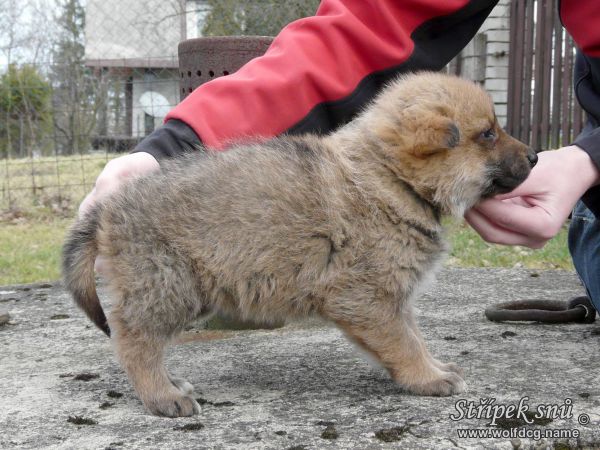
539, 222
495, 234
115, 173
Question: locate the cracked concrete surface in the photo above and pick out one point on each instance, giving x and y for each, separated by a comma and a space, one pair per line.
303, 386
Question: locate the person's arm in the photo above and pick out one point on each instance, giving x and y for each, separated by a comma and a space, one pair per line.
173, 138
536, 210
321, 70
581, 19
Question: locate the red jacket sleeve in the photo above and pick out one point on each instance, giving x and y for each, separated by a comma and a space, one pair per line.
581, 19
321, 70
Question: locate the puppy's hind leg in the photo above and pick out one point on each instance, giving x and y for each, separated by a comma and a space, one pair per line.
141, 355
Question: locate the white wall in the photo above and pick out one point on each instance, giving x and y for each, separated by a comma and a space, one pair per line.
485, 58
496, 29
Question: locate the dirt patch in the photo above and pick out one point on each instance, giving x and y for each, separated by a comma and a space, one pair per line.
4, 318
190, 427
516, 422
324, 423
330, 433
78, 420
59, 316
203, 401
392, 434
86, 376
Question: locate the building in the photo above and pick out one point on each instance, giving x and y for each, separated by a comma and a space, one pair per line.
132, 48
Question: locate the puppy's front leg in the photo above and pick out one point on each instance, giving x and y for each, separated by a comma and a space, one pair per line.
446, 367
397, 343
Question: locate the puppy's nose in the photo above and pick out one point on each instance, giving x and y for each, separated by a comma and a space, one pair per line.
532, 157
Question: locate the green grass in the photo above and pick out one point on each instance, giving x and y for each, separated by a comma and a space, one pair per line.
30, 251
35, 185
469, 250
38, 199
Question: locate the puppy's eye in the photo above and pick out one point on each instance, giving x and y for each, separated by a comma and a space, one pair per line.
488, 135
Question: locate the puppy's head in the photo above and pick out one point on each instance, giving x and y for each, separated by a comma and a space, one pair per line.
440, 134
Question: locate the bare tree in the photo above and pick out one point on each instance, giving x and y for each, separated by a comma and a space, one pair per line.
42, 32
254, 17
11, 12
26, 30
74, 99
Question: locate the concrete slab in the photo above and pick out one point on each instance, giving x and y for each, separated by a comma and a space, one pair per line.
304, 386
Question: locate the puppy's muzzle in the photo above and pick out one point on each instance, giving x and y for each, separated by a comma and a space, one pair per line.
511, 169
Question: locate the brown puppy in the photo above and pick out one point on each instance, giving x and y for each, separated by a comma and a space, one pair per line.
346, 226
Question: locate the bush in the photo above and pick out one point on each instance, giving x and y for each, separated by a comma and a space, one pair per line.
24, 110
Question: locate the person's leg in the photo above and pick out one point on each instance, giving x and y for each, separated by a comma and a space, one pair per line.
584, 245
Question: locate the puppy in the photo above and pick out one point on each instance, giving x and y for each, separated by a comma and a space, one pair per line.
346, 226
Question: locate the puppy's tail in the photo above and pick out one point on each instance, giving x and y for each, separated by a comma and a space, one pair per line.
79, 253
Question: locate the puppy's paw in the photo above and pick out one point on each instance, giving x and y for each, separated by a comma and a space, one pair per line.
449, 367
175, 405
184, 386
449, 383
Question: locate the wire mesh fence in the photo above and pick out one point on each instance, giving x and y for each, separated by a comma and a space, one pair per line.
84, 80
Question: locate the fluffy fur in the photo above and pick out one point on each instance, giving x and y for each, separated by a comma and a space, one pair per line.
346, 226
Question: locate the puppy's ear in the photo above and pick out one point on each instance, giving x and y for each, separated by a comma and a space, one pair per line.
421, 130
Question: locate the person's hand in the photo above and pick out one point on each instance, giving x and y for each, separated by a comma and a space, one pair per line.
114, 174
535, 211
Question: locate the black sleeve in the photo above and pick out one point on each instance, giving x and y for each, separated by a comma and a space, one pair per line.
171, 139
587, 89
